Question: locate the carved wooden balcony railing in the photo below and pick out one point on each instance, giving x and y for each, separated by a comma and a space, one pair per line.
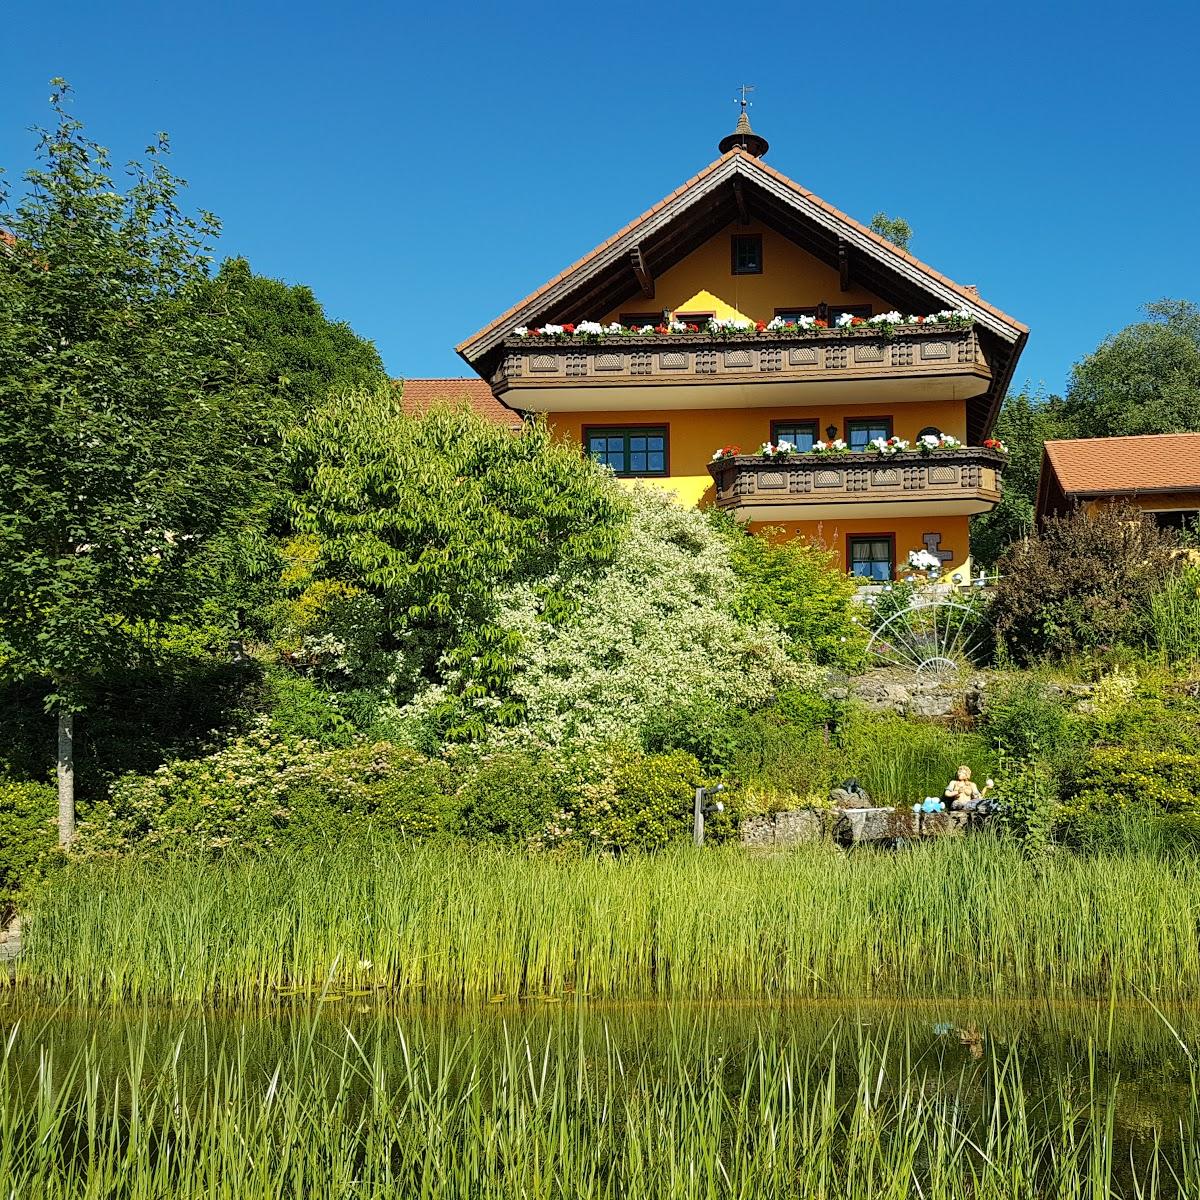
910, 352
962, 481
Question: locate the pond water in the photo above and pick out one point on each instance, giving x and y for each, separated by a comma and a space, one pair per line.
987, 1067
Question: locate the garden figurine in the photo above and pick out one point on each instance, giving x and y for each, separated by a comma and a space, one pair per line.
963, 794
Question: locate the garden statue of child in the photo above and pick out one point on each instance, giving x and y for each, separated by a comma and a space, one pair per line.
962, 793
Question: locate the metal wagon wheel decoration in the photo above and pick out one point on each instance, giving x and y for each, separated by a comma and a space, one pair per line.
936, 638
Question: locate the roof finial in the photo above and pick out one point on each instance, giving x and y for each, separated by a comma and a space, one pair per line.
743, 136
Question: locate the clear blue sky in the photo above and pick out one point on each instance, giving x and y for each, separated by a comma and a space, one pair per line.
423, 167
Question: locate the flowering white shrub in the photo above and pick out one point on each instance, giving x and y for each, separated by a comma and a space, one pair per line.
655, 629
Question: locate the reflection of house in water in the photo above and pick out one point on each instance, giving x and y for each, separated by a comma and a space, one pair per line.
1157, 472
744, 310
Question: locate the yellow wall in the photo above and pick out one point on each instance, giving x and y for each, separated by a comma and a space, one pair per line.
693, 434
909, 533
791, 278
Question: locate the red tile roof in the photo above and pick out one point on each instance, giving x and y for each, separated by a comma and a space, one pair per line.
1152, 462
416, 395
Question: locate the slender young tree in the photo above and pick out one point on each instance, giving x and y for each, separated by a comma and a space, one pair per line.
127, 438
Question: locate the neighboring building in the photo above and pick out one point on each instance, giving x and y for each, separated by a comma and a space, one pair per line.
416, 395
1158, 472
813, 344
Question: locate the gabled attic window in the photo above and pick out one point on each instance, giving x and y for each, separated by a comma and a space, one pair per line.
745, 254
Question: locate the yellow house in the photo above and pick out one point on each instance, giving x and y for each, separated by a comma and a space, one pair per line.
745, 344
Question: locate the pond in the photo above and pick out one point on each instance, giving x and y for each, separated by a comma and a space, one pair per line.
563, 1095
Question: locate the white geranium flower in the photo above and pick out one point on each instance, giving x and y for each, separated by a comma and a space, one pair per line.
615, 327
521, 331
593, 328
887, 318
930, 440
552, 330
843, 320
678, 327
776, 323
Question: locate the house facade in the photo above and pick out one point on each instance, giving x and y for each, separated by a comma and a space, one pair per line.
746, 345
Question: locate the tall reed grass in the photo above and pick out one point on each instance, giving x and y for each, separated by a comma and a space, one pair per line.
558, 1114
960, 917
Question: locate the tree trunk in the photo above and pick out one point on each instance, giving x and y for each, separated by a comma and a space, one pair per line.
66, 776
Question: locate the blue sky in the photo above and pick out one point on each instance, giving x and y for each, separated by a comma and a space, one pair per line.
423, 167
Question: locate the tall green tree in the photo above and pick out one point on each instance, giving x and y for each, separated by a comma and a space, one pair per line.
128, 440
1025, 424
896, 229
296, 352
431, 515
1144, 379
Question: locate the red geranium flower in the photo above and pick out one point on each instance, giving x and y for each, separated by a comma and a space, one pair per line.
821, 324
568, 328
661, 329
693, 329
760, 325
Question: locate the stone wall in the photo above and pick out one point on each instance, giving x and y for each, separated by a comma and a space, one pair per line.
851, 826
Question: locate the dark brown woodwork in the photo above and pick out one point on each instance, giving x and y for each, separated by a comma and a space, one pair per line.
844, 264
739, 196
641, 272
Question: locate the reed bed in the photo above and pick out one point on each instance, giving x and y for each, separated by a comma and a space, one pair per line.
562, 1114
967, 917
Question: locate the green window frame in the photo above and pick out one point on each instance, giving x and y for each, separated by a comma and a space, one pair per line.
802, 434
872, 556
745, 254
861, 433
632, 451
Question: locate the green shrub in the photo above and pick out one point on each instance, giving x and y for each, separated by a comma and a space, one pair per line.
509, 798
27, 835
798, 586
1113, 778
1027, 806
1025, 717
261, 791
1085, 583
641, 802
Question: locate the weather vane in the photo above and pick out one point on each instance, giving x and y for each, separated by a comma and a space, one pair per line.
746, 87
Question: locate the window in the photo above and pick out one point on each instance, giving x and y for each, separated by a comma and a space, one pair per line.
745, 254
872, 557
637, 320
699, 319
860, 434
801, 434
637, 450
824, 312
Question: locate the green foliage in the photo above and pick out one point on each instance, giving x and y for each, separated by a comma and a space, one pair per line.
510, 798
432, 515
1085, 583
1144, 379
1175, 615
1027, 807
639, 803
896, 229
1025, 717
1116, 777
798, 586
900, 761
652, 631
261, 791
296, 353
27, 836
1026, 422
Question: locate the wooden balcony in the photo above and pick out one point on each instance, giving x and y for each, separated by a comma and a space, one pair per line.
908, 362
812, 487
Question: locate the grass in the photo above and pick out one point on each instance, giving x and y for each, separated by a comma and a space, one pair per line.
961, 917
564, 1113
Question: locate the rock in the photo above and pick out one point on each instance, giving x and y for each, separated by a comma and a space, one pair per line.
873, 825
790, 828
943, 824
843, 797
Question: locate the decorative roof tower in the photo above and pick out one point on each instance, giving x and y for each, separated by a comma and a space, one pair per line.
743, 135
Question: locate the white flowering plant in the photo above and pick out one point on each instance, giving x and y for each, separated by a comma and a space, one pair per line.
927, 443
886, 447
924, 560
779, 449
836, 446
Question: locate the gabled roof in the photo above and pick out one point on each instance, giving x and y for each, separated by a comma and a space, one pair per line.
417, 395
733, 185
1152, 462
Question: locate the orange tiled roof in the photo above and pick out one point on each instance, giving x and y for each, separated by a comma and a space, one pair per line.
418, 394
1152, 462
751, 163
